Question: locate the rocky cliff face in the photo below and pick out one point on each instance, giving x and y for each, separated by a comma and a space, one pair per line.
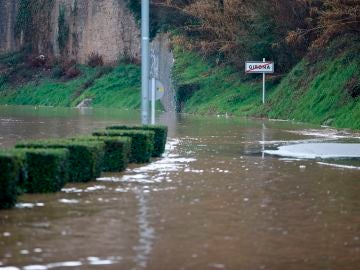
162, 60
73, 29
8, 12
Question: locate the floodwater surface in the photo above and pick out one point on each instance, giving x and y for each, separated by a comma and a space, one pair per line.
213, 201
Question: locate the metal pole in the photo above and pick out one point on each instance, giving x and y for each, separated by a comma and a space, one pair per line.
145, 61
263, 94
153, 85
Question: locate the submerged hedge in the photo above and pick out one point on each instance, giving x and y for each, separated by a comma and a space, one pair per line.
46, 170
159, 136
47, 165
141, 144
116, 152
31, 171
85, 157
11, 164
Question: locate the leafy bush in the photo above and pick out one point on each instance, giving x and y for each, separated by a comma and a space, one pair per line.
160, 135
95, 60
57, 72
10, 171
85, 158
116, 153
72, 72
141, 144
37, 61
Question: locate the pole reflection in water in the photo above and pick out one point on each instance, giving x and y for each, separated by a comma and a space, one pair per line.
263, 140
146, 232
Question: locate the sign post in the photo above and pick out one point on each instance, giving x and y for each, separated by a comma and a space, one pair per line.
153, 86
260, 67
157, 91
263, 99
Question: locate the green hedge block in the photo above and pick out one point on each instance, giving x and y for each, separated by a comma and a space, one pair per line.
47, 170
141, 142
117, 151
11, 164
85, 158
159, 137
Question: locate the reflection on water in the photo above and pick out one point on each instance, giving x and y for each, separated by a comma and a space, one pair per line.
146, 232
211, 202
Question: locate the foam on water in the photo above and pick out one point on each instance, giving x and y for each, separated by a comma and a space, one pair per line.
29, 205
326, 133
155, 172
72, 190
94, 188
71, 264
69, 201
318, 150
280, 142
64, 264
339, 165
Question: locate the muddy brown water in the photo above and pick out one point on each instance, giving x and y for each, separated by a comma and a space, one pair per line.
212, 202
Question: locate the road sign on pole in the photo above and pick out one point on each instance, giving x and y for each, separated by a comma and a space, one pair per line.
157, 91
260, 67
153, 84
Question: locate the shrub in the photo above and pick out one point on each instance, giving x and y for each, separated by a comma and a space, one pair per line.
95, 60
47, 170
72, 72
159, 137
85, 158
116, 153
10, 171
141, 143
58, 72
66, 70
37, 61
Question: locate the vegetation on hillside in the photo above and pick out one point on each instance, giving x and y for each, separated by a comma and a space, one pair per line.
232, 31
314, 43
32, 80
323, 90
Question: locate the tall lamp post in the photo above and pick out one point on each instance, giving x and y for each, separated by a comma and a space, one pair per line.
145, 17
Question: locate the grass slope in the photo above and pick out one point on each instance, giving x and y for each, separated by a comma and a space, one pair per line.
316, 90
118, 87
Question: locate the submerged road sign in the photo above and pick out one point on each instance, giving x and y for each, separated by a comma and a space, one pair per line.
259, 67
159, 89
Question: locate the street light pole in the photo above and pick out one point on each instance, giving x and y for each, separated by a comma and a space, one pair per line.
145, 61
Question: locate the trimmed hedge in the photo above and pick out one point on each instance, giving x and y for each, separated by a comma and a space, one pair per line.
141, 143
47, 170
10, 171
85, 157
159, 137
116, 154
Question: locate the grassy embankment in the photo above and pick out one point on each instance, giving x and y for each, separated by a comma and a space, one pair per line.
321, 89
117, 87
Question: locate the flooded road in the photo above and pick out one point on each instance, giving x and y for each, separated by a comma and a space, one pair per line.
214, 201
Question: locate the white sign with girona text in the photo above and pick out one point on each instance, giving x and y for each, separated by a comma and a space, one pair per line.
259, 67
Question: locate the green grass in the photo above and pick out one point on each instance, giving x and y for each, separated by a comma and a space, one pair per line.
220, 89
119, 88
323, 98
314, 92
